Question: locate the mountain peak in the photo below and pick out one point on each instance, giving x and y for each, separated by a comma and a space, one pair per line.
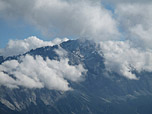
99, 90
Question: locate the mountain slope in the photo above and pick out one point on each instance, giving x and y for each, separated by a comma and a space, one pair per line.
101, 92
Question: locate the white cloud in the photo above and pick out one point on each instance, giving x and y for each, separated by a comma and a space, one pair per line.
60, 51
38, 73
85, 18
7, 80
135, 20
82, 18
123, 58
134, 52
115, 2
15, 47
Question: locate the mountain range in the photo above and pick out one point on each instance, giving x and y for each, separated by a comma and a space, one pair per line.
100, 92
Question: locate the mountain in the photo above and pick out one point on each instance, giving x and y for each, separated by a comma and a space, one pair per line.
1, 59
102, 92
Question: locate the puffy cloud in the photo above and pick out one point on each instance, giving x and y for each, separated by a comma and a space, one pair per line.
38, 73
134, 52
15, 47
135, 20
89, 19
123, 58
61, 18
7, 80
126, 1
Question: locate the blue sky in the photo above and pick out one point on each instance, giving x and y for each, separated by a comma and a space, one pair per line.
21, 29
76, 18
16, 30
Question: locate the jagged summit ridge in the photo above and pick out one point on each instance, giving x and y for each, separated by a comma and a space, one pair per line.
99, 91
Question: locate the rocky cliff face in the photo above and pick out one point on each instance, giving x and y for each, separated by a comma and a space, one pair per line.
101, 92
1, 59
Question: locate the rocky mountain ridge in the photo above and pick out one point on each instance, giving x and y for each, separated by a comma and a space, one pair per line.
101, 92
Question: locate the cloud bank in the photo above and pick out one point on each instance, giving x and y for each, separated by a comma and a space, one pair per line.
134, 51
63, 18
114, 2
123, 58
123, 28
38, 73
16, 47
135, 20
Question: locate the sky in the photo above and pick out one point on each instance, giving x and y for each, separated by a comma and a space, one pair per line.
98, 19
123, 29
19, 25
16, 30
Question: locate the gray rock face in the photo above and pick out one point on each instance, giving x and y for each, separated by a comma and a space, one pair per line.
1, 59
101, 92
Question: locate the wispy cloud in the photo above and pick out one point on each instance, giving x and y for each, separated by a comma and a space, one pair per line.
135, 20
